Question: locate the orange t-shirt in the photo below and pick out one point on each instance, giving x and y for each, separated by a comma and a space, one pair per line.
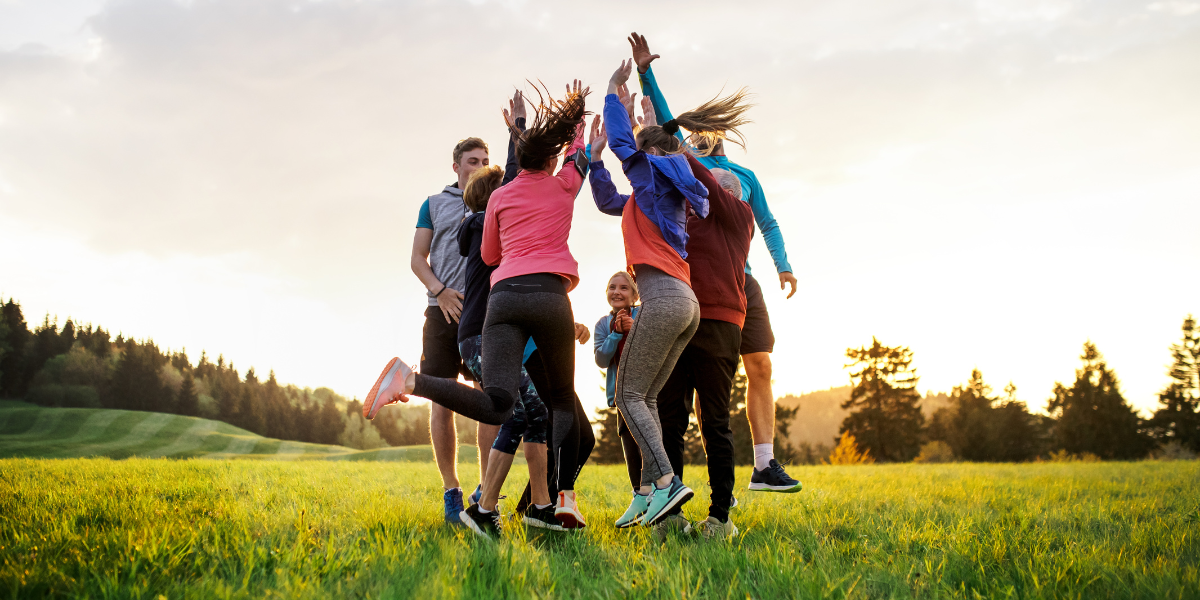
644, 245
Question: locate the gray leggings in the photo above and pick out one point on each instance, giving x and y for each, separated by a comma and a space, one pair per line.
666, 322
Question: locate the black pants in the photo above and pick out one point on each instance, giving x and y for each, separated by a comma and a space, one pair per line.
563, 467
519, 308
705, 369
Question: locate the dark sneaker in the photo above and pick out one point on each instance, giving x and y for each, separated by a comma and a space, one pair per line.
773, 479
733, 503
454, 506
485, 525
662, 501
542, 518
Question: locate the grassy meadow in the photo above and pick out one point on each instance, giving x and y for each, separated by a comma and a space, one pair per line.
310, 521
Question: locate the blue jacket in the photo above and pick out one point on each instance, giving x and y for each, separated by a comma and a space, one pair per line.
661, 184
605, 341
752, 192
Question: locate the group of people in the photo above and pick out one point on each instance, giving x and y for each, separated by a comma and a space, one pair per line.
492, 252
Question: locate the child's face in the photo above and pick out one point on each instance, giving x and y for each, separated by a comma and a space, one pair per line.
620, 295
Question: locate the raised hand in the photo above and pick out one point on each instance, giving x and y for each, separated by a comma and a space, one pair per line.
641, 52
517, 106
598, 139
649, 117
620, 76
627, 99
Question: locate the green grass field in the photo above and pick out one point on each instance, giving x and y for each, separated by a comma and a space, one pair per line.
30, 431
145, 528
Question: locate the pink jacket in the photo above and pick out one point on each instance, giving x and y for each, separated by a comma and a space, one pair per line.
527, 223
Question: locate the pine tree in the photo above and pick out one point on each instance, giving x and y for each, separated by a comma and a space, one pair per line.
1092, 414
188, 402
1178, 416
886, 414
12, 364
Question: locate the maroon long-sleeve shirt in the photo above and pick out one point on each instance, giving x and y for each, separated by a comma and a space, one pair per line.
717, 248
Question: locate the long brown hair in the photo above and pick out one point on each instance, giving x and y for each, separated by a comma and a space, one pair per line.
707, 124
553, 128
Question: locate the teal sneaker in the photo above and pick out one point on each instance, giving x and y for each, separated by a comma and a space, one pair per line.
633, 514
663, 500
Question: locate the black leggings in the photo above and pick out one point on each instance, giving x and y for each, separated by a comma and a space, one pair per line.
562, 470
527, 306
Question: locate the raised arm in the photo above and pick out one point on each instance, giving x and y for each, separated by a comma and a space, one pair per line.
650, 89
516, 121
608, 199
574, 167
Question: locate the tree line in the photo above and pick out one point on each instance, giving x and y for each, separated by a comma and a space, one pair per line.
85, 367
1087, 418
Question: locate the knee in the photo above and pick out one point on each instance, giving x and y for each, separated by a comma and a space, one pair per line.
758, 366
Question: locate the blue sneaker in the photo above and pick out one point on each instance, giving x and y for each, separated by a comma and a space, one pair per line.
453, 500
478, 494
663, 500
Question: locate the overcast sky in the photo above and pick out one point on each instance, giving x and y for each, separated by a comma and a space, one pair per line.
989, 183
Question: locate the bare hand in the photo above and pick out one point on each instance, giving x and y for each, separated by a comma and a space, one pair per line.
450, 301
641, 52
597, 139
629, 100
576, 87
623, 321
648, 110
582, 334
785, 278
620, 76
517, 106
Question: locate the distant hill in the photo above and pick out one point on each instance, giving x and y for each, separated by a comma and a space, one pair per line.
821, 414
28, 430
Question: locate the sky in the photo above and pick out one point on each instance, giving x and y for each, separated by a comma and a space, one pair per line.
988, 183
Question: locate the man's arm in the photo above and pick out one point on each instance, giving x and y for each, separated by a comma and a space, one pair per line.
771, 234
449, 300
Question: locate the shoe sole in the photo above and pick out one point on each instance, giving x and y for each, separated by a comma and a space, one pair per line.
540, 524
633, 522
385, 378
470, 523
784, 489
679, 498
570, 520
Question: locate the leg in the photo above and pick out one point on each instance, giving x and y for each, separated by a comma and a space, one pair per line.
658, 336
760, 402
493, 480
675, 404
444, 438
484, 436
633, 458
716, 345
535, 457
577, 448
757, 343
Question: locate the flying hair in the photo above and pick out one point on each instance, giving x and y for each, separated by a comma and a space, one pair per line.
554, 125
707, 124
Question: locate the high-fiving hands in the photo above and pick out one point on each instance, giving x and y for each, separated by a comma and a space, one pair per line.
641, 52
517, 108
597, 139
648, 110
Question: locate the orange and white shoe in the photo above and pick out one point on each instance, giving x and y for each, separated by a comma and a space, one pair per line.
388, 389
567, 512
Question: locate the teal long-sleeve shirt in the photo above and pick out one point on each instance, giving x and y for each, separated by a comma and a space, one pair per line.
752, 192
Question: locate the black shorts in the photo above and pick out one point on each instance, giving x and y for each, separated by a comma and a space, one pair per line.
439, 347
756, 333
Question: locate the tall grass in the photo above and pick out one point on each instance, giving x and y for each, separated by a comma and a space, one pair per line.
141, 528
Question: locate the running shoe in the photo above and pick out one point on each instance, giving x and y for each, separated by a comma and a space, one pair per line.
478, 494
388, 388
663, 500
454, 506
542, 518
669, 523
483, 524
733, 503
712, 529
773, 479
567, 512
633, 514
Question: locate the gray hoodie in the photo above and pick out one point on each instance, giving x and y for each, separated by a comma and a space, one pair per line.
445, 211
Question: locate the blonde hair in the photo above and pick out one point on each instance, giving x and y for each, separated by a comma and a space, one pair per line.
629, 279
707, 124
480, 186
